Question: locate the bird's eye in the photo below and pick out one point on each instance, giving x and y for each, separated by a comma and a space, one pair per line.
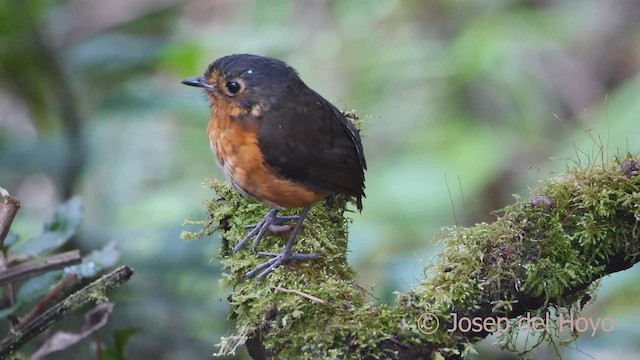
233, 87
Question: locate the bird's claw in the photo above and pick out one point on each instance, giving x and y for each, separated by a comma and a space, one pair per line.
271, 222
286, 254
276, 260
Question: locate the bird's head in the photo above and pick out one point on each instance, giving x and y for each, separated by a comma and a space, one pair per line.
247, 81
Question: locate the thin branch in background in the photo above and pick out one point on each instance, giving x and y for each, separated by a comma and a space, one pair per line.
8, 295
60, 86
93, 292
453, 205
8, 209
39, 266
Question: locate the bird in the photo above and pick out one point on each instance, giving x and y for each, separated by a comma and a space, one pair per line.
278, 142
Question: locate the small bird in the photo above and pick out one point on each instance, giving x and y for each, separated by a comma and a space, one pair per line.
278, 142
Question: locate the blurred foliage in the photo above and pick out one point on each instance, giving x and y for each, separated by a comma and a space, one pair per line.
117, 352
465, 104
57, 231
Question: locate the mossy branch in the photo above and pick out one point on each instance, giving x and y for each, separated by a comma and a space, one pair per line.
540, 256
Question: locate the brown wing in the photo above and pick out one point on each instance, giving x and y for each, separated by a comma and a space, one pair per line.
307, 139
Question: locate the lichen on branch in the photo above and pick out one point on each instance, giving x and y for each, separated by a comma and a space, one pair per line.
541, 255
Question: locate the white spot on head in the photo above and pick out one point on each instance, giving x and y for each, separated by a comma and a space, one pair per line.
249, 71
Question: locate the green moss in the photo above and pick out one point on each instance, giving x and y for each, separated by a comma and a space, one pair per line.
291, 318
539, 255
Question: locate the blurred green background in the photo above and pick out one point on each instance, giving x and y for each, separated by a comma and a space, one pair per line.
465, 103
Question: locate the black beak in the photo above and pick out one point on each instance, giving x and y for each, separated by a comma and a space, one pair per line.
197, 81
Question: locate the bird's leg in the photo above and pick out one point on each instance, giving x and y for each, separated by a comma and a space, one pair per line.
286, 254
271, 222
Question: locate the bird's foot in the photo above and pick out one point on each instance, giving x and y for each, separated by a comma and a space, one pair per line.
286, 254
276, 260
271, 222
276, 226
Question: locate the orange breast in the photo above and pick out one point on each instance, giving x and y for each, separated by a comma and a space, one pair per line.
235, 145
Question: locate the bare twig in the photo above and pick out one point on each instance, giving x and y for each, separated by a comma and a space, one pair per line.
39, 266
8, 298
8, 209
304, 295
92, 292
64, 285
